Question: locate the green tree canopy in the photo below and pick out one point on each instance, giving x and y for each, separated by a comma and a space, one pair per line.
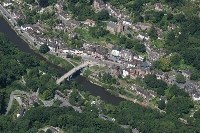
44, 49
180, 78
179, 106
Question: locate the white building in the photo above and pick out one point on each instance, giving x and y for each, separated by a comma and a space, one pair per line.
125, 73
115, 52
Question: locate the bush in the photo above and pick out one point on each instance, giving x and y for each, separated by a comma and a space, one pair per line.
180, 78
44, 49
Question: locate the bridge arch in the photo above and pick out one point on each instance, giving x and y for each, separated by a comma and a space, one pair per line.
72, 71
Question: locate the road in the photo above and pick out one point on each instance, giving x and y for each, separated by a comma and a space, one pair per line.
12, 96
102, 61
14, 23
65, 103
72, 71
47, 103
7, 15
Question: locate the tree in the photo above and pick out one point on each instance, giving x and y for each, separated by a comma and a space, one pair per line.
156, 65
107, 78
165, 64
30, 1
43, 3
156, 84
179, 106
170, 16
27, 60
44, 49
140, 47
103, 15
153, 33
195, 76
75, 98
161, 104
98, 32
197, 114
48, 95
180, 78
180, 18
175, 59
175, 91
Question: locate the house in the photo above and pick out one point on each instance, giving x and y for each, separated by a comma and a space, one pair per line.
53, 130
111, 26
60, 27
72, 35
142, 92
7, 4
141, 26
196, 97
26, 27
32, 99
98, 5
191, 88
21, 111
115, 53
101, 51
113, 12
17, 15
116, 71
59, 7
142, 37
125, 73
115, 27
135, 131
158, 7
159, 33
126, 55
138, 58
54, 45
39, 40
137, 72
171, 26
186, 73
90, 23
119, 15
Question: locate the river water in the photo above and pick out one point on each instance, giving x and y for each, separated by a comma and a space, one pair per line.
86, 84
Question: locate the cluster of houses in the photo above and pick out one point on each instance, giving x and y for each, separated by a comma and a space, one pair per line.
193, 90
124, 62
191, 87
146, 94
25, 102
131, 65
36, 32
99, 5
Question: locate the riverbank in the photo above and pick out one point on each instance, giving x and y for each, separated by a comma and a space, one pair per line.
87, 85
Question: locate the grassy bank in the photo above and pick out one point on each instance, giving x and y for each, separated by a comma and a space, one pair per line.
59, 61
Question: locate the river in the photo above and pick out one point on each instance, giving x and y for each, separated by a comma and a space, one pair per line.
86, 84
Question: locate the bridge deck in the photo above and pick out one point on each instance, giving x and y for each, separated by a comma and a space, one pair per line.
72, 71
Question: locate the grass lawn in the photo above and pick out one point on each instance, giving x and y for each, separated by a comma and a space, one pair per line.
159, 43
97, 68
87, 73
102, 40
59, 61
